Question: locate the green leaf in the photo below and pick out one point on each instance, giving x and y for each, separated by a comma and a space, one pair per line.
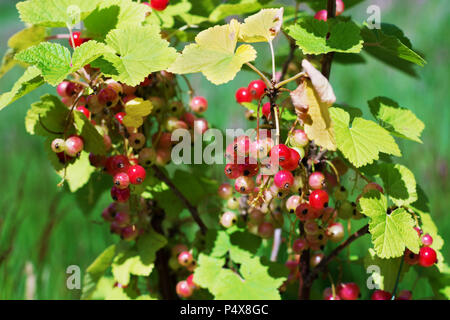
90, 194
20, 41
138, 51
400, 121
388, 270
55, 13
96, 270
28, 82
228, 9
363, 141
392, 232
215, 55
114, 14
55, 62
140, 261
217, 243
318, 37
93, 140
399, 183
256, 280
47, 114
78, 173
390, 46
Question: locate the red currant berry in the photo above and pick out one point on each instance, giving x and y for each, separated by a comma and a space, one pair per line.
94, 104
348, 291
77, 39
109, 212
183, 289
62, 89
321, 15
292, 203
108, 97
284, 179
190, 281
427, 240
293, 162
137, 140
335, 232
159, 5
185, 258
97, 161
147, 157
58, 145
299, 139
122, 219
256, 89
299, 245
411, 258
266, 110
427, 257
84, 110
116, 164
130, 233
316, 180
304, 212
243, 95
225, 191
404, 295
189, 118
339, 7
244, 185
233, 171
316, 259
120, 195
200, 126
318, 199
265, 230
280, 153
381, 295
137, 174
121, 180
328, 295
251, 168
74, 145
228, 219
199, 104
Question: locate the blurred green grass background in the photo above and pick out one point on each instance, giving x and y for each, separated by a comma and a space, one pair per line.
42, 227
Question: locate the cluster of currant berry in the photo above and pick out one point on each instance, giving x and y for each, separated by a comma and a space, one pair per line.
129, 153
182, 257
427, 256
323, 14
121, 221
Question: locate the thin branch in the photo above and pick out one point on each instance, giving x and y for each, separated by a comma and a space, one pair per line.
193, 210
328, 58
284, 82
267, 81
326, 260
292, 47
272, 53
397, 280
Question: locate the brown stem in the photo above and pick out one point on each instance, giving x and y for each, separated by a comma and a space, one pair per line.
328, 58
193, 210
167, 281
303, 288
326, 260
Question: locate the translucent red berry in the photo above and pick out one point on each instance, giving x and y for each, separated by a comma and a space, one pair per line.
243, 95
159, 5
137, 174
233, 171
318, 199
185, 258
183, 289
427, 257
228, 219
121, 180
84, 110
321, 15
427, 240
120, 195
130, 233
225, 191
73, 146
381, 295
284, 179
116, 164
256, 89
339, 7
199, 104
348, 291
122, 219
316, 180
280, 153
244, 185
